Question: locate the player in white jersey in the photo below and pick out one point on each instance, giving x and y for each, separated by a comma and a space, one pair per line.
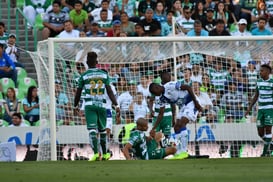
183, 96
109, 118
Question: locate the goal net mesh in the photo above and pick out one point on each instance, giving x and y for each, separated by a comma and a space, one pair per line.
222, 74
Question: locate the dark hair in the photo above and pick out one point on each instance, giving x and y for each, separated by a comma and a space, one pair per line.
2, 46
165, 77
77, 2
103, 1
139, 24
186, 7
66, 21
171, 11
197, 22
17, 114
151, 86
123, 13
56, 2
219, 21
92, 59
2, 24
13, 91
267, 67
29, 95
262, 18
103, 10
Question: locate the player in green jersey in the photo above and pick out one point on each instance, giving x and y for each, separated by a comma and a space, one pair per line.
145, 147
95, 83
137, 141
264, 95
164, 116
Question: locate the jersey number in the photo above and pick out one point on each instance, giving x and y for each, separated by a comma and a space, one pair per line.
96, 87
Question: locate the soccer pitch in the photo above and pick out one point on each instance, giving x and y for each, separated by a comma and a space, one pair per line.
188, 170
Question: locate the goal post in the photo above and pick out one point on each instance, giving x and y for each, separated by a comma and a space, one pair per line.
56, 65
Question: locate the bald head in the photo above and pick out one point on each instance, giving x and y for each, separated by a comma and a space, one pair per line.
142, 124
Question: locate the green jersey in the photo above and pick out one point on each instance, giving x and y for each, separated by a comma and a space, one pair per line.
39, 3
138, 142
265, 89
93, 83
167, 111
218, 79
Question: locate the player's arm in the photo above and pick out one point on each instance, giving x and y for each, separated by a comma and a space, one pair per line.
111, 95
254, 100
150, 105
126, 150
77, 100
113, 99
196, 103
77, 97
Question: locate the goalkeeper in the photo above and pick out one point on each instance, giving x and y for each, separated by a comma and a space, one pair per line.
95, 83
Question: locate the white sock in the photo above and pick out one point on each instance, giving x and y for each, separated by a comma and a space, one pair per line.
181, 141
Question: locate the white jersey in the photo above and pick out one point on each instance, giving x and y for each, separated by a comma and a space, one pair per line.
124, 100
173, 95
108, 100
140, 110
182, 98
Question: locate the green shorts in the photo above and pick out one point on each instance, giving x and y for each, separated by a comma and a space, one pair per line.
95, 117
265, 117
159, 153
165, 125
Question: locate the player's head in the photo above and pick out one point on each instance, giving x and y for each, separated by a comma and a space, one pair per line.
92, 59
265, 71
156, 89
142, 124
165, 77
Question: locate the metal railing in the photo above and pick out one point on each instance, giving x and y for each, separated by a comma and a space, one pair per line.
8, 14
19, 13
19, 16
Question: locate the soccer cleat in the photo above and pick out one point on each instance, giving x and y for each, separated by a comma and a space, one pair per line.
182, 155
96, 157
106, 156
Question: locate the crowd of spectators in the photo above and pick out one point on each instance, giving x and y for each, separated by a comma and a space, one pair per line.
223, 83
108, 18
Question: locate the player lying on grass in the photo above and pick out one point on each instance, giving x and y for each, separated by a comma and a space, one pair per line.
144, 147
183, 96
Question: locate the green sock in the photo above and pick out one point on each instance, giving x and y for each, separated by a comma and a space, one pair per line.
267, 142
103, 142
93, 141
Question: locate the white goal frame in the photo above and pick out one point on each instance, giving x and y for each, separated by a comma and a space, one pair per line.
174, 39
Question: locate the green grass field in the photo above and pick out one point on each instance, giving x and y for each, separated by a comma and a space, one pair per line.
189, 170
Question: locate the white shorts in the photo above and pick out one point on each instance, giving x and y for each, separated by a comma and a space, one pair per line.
109, 119
188, 111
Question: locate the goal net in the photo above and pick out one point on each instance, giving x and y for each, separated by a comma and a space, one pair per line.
222, 71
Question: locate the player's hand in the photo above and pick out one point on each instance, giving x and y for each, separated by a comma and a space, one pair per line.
247, 112
198, 106
76, 111
152, 133
149, 138
152, 113
117, 111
